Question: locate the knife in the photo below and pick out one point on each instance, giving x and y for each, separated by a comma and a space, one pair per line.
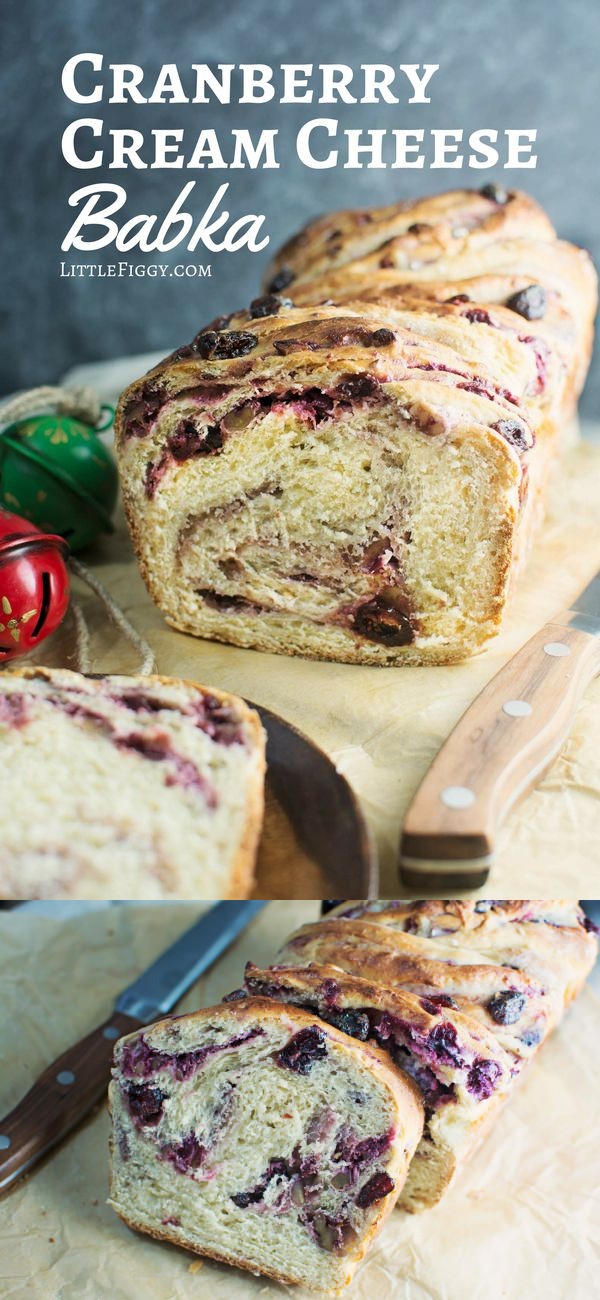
499, 750
70, 1088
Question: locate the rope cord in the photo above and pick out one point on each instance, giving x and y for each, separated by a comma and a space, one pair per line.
82, 639
116, 615
81, 403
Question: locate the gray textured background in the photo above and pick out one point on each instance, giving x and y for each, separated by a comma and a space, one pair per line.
504, 63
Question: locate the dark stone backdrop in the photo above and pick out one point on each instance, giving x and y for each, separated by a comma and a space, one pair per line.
504, 63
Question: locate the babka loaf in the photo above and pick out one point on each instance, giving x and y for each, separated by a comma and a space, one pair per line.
261, 1136
355, 475
506, 971
493, 245
462, 1072
125, 787
511, 1004
276, 1131
549, 938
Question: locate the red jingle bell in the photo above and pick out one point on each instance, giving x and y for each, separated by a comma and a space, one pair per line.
34, 585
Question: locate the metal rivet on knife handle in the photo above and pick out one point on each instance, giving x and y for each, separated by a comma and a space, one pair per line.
69, 1089
457, 796
58, 1101
517, 708
500, 748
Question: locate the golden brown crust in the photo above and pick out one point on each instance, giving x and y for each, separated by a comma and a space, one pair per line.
465, 913
399, 960
549, 932
318, 345
423, 301
385, 956
425, 227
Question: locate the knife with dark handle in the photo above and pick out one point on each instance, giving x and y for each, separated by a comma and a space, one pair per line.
70, 1088
499, 750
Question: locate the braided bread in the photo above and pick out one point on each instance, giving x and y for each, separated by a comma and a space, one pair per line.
411, 236
550, 939
276, 1131
356, 475
407, 961
258, 1135
463, 1073
505, 970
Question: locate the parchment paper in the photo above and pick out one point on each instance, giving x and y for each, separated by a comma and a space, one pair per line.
522, 1220
383, 726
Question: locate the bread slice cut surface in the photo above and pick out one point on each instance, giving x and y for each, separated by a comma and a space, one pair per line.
146, 787
257, 1134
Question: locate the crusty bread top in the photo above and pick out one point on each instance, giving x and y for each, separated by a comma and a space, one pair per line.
332, 988
456, 914
555, 931
392, 957
463, 243
452, 378
426, 227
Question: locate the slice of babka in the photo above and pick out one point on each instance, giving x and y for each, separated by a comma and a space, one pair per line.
462, 1072
126, 787
259, 1135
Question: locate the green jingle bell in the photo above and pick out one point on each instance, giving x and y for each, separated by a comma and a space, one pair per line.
58, 473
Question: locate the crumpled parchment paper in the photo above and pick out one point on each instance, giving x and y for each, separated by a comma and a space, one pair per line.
383, 726
522, 1219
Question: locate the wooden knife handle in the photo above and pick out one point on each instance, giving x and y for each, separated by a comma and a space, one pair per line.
62, 1096
500, 748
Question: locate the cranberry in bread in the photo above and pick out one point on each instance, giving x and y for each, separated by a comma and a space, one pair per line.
140, 787
433, 981
519, 1008
355, 472
462, 1072
259, 1135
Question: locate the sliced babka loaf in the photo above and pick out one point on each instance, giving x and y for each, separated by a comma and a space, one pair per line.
328, 481
466, 246
261, 1136
517, 1008
357, 476
126, 787
550, 939
463, 1073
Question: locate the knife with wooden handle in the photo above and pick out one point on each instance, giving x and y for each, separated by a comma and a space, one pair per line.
70, 1088
499, 750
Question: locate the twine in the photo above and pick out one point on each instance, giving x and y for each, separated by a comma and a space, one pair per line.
116, 615
82, 639
81, 403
